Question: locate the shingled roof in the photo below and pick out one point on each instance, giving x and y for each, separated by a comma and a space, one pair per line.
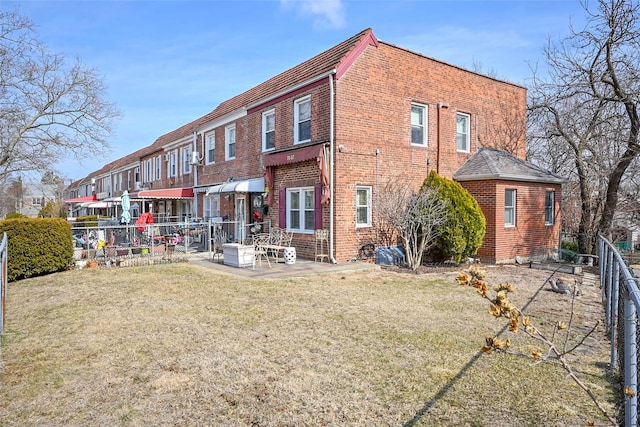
320, 64
489, 163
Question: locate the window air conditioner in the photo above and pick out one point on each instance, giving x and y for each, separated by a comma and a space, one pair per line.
138, 185
195, 158
166, 157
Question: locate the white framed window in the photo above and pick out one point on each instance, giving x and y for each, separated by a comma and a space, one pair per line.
418, 124
36, 201
136, 174
549, 202
509, 208
230, 142
120, 182
462, 132
173, 164
269, 130
129, 184
212, 206
301, 209
363, 206
302, 120
147, 170
211, 148
186, 160
158, 168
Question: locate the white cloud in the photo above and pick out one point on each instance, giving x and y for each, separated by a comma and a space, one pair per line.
327, 14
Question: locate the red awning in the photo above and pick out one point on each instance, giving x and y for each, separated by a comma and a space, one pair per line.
84, 199
294, 156
167, 193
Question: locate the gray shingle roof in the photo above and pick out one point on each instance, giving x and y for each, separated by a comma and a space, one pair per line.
489, 163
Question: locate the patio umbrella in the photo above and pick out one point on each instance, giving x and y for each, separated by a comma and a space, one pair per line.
126, 207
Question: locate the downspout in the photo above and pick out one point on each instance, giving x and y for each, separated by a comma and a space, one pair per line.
195, 176
331, 164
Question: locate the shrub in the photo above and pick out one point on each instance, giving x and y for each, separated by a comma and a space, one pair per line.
15, 215
37, 246
53, 210
570, 245
462, 235
88, 220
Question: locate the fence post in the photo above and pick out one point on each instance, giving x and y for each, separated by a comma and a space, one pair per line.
609, 282
613, 316
630, 362
4, 287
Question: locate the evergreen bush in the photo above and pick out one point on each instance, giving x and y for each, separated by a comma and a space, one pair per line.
15, 215
37, 246
462, 235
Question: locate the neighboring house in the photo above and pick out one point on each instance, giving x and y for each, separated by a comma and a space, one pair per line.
311, 147
35, 197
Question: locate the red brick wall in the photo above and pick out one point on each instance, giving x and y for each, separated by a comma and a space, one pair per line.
373, 106
503, 244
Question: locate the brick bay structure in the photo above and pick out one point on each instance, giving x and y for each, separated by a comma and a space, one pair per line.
311, 147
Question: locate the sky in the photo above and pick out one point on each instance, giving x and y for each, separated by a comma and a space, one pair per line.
169, 62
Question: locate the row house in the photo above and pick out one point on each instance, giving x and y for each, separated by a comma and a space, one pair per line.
311, 148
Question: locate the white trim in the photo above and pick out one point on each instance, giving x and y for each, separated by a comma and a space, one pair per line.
223, 120
265, 114
425, 125
227, 142
184, 140
207, 138
369, 205
468, 134
291, 89
514, 207
296, 120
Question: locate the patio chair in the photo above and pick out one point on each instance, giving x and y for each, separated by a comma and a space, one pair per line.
260, 243
219, 239
322, 245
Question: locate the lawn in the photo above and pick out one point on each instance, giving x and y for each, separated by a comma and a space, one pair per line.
183, 345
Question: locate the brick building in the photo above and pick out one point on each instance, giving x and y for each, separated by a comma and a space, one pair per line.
309, 148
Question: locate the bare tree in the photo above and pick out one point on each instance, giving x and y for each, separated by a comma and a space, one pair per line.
47, 109
589, 105
416, 216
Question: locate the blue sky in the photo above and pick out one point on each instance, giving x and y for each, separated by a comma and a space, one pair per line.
168, 62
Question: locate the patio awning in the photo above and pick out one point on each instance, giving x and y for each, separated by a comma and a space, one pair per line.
295, 156
84, 199
97, 205
254, 185
167, 193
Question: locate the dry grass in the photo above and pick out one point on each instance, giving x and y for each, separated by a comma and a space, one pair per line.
181, 345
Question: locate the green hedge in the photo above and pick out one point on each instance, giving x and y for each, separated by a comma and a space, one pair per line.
463, 234
37, 246
88, 221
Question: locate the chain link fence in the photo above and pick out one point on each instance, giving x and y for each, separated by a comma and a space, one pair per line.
621, 298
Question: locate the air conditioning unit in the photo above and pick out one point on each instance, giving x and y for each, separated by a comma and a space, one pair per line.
138, 185
195, 158
166, 157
